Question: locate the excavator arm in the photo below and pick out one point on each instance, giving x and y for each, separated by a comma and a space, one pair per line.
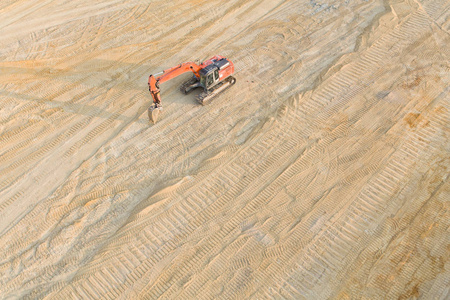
155, 80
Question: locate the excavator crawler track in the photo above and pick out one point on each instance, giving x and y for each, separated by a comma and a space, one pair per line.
186, 84
205, 98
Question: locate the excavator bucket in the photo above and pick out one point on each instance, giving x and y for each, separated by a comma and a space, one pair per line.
153, 113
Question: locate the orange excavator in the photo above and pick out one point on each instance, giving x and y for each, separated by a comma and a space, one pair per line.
213, 75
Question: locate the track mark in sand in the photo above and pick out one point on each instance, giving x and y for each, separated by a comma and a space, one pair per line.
197, 201
367, 209
63, 136
202, 197
22, 12
11, 200
435, 9
364, 211
378, 185
251, 208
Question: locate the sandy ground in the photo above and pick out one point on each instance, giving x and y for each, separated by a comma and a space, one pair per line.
323, 173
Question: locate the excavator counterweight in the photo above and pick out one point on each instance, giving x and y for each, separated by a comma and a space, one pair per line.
213, 75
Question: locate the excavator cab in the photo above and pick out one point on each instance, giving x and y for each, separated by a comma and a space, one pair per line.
209, 77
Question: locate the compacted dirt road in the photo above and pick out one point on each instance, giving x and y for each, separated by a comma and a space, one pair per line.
322, 173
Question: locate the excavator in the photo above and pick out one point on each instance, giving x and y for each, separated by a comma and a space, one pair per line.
213, 75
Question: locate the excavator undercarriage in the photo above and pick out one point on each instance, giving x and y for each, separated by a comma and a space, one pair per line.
205, 97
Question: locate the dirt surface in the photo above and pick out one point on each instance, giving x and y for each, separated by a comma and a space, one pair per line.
322, 173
